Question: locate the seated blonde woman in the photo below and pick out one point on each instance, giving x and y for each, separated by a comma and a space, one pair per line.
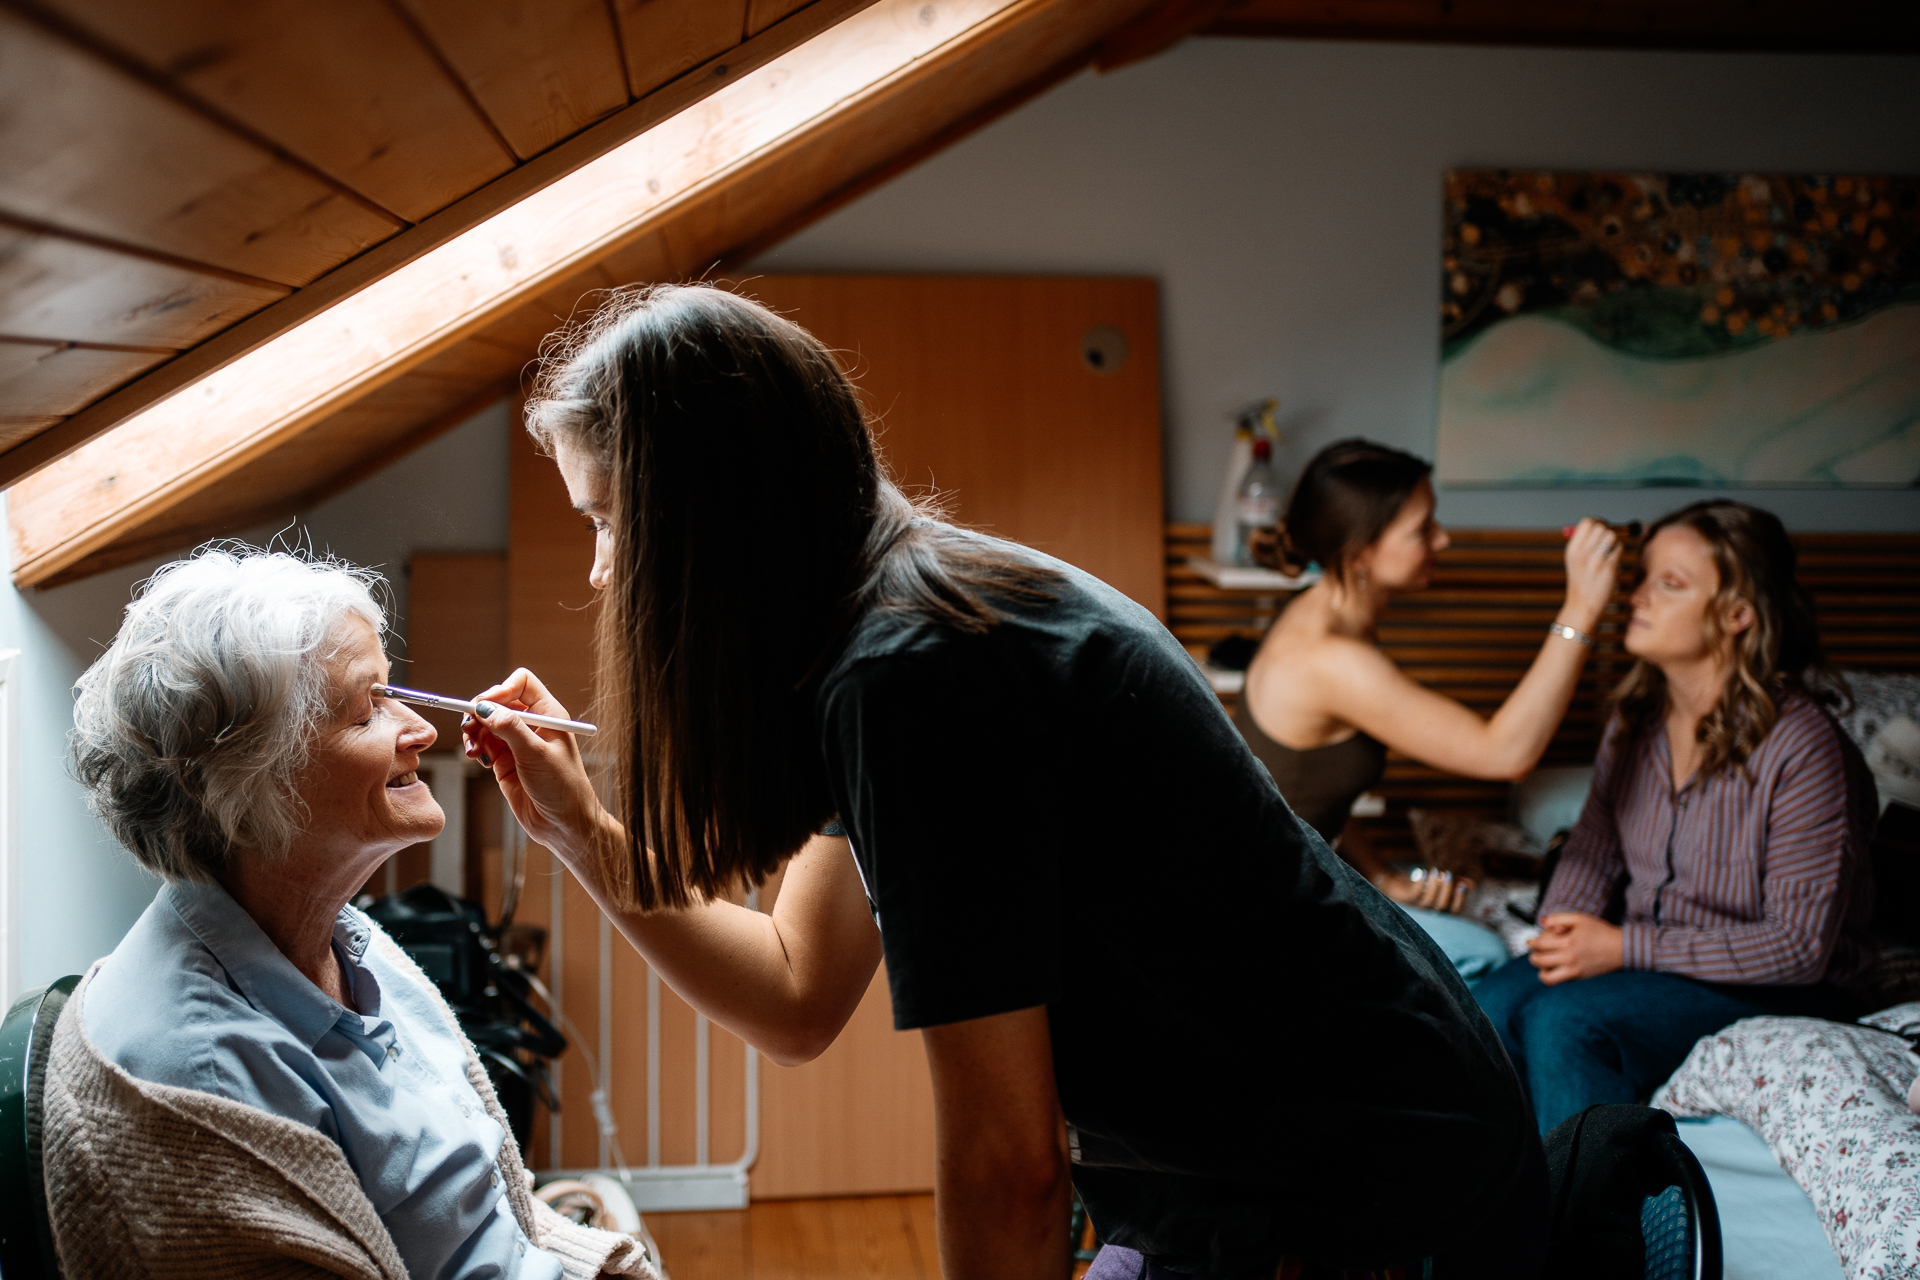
1719, 868
308, 1101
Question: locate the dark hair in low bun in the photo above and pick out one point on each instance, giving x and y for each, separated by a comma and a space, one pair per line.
1346, 498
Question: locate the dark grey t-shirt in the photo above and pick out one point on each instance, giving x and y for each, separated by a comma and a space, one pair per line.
1258, 1054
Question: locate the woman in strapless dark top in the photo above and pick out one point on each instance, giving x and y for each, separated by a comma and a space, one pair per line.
1323, 705
1320, 783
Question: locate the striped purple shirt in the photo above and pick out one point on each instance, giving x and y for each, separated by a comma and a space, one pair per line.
1762, 880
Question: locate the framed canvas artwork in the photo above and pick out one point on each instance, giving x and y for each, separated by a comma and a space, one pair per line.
1722, 330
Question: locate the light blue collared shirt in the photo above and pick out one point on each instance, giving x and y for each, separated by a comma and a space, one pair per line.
197, 996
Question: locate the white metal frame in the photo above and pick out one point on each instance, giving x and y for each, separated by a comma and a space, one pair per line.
655, 1187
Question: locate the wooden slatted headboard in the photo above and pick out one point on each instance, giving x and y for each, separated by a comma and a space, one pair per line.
1473, 632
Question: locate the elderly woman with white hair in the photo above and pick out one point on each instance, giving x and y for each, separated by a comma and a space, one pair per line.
261, 1082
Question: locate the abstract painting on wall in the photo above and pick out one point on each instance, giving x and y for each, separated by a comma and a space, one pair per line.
1723, 330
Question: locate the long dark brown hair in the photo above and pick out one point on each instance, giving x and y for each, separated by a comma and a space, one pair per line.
753, 522
1778, 654
1345, 499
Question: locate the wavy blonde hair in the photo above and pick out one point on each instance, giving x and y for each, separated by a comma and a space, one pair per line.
1779, 654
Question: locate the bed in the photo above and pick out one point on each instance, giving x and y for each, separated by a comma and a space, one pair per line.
1769, 1229
1810, 1142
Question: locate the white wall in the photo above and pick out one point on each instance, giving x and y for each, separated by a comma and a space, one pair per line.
78, 890
1287, 196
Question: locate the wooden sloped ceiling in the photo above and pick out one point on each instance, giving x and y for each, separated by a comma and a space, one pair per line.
169, 478
171, 168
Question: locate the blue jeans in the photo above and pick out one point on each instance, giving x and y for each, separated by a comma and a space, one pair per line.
1617, 1037
1474, 949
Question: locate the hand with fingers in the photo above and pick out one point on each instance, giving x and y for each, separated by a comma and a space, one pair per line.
540, 771
1593, 573
1573, 945
1429, 889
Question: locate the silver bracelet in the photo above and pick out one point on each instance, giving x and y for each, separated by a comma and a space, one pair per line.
1566, 632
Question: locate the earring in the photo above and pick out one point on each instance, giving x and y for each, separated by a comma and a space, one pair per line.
1360, 579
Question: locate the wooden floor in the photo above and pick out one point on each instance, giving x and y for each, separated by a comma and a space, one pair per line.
869, 1238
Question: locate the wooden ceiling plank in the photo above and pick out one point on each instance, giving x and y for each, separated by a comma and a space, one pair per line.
345, 85
52, 379
97, 151
664, 41
14, 430
541, 70
1864, 26
64, 290
909, 66
392, 254
762, 14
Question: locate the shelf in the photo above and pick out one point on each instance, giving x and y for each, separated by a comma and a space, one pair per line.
1234, 578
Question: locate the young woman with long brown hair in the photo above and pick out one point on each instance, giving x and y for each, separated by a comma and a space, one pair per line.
1719, 867
1132, 966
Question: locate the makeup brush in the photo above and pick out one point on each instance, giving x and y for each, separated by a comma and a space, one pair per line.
440, 702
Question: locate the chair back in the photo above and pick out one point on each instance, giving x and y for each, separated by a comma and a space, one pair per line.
26, 1037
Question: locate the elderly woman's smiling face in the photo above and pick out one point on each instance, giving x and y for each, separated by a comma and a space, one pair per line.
360, 785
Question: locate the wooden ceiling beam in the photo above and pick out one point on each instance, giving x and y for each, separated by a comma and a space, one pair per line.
392, 254
167, 535
1787, 26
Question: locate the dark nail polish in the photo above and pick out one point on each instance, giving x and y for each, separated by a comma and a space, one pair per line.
483, 709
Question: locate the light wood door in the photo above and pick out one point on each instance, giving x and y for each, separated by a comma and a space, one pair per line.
979, 385
982, 389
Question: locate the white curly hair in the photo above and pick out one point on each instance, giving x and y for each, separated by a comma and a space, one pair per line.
189, 730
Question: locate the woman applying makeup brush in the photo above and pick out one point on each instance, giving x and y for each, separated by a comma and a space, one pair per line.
1134, 970
1323, 703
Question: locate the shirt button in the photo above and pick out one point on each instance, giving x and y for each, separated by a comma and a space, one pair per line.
520, 1246
493, 1177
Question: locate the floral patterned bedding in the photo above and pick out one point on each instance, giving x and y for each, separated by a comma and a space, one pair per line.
1830, 1099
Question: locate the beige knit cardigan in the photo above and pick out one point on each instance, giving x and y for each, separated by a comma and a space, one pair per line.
148, 1180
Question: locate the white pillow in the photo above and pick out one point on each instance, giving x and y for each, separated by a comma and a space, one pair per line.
1830, 1100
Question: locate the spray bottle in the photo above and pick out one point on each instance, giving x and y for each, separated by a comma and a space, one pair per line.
1255, 419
